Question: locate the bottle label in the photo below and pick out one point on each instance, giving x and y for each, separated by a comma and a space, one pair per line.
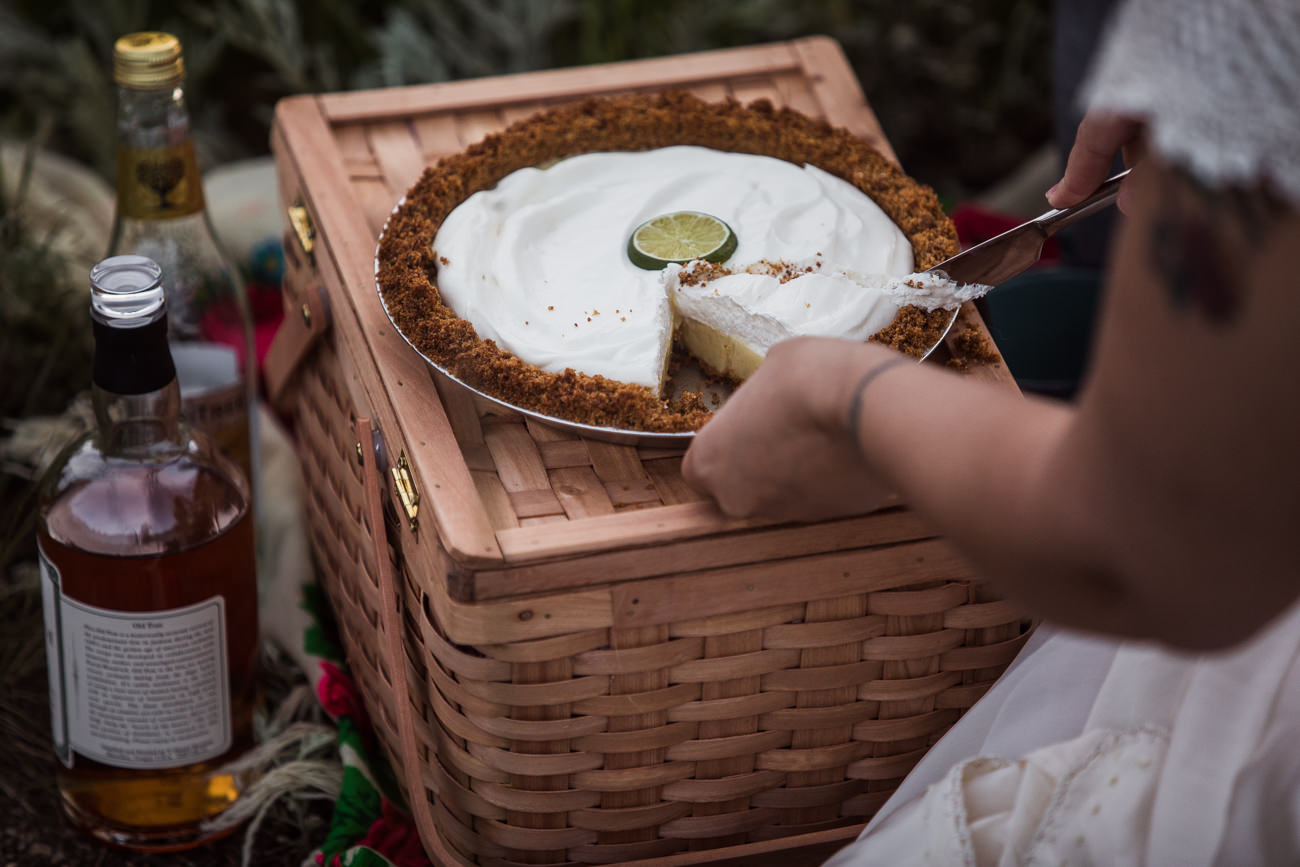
54, 667
158, 183
138, 690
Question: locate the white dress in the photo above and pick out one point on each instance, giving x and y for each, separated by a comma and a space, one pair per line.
1091, 751
1097, 752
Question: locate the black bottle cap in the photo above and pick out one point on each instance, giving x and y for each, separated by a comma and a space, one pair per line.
129, 314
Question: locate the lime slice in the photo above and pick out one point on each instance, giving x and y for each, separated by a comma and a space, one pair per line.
680, 237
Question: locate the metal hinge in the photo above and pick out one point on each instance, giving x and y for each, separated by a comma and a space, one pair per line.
304, 228
406, 491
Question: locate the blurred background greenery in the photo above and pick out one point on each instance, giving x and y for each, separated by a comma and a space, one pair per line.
960, 86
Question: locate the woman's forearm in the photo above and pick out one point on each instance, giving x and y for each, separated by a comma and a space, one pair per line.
1163, 505
985, 468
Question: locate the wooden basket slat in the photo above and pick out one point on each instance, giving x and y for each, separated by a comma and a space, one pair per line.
904, 728
712, 91
730, 707
796, 93
562, 454
908, 688
684, 71
436, 136
822, 633
671, 523
474, 123
580, 493
526, 801
627, 818
827, 576
640, 738
653, 737
519, 111
545, 433
354, 147
666, 475
763, 544
625, 853
614, 463
641, 658
496, 500
570, 728
517, 459
754, 87
550, 647
397, 154
801, 798
702, 791
375, 200
538, 503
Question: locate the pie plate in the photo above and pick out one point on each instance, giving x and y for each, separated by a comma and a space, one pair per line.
688, 377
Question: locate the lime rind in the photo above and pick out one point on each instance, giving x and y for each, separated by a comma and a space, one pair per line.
680, 237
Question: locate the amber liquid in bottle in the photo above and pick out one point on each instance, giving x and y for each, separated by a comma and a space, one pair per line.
148, 576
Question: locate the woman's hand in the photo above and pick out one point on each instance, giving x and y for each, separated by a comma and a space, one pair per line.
1100, 137
782, 448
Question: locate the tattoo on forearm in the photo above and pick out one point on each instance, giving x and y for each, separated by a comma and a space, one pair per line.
1201, 239
1187, 256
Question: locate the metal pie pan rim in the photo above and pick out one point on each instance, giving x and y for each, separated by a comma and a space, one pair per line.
618, 436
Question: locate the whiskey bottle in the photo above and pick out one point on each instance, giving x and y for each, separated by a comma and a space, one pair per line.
161, 214
149, 591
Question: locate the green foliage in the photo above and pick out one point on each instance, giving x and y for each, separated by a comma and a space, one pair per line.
960, 87
46, 348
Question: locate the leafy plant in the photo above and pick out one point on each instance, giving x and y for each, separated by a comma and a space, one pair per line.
961, 88
45, 353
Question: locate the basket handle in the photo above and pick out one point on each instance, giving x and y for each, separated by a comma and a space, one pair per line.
297, 335
391, 618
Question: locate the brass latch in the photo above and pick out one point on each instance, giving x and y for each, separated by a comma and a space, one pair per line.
304, 228
406, 491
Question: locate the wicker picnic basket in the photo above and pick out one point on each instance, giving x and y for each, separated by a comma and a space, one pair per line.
568, 656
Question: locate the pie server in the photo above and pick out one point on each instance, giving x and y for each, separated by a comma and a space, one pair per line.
1004, 256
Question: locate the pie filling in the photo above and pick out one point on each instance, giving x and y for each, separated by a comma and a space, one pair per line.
539, 264
524, 294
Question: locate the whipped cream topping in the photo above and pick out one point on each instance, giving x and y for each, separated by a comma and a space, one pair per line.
756, 307
932, 290
539, 264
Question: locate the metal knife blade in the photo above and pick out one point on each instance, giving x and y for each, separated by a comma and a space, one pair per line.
1004, 256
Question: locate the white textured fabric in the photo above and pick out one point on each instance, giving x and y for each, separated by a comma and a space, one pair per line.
1217, 82
1182, 760
1080, 802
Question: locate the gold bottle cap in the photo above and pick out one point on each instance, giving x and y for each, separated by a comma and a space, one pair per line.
146, 60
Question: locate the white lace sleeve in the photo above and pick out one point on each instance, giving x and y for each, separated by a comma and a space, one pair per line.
1217, 81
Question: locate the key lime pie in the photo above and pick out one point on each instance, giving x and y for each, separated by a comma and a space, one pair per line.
566, 263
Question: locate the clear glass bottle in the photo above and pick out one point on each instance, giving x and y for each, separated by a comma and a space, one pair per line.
149, 589
161, 215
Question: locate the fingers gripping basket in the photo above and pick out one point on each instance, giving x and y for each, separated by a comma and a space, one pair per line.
569, 656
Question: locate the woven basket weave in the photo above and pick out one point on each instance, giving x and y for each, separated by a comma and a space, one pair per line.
682, 688
610, 745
